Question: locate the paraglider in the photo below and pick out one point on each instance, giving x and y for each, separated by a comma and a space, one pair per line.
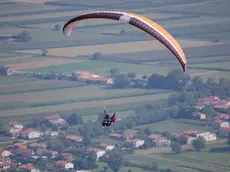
138, 21
108, 120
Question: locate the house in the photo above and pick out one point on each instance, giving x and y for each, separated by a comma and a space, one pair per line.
18, 146
6, 165
56, 120
217, 124
14, 128
68, 156
36, 146
223, 104
30, 133
74, 138
23, 152
4, 160
106, 147
129, 134
199, 107
92, 78
208, 136
28, 168
51, 133
116, 136
211, 100
136, 143
64, 165
48, 153
160, 141
200, 116
4, 153
224, 132
5, 70
223, 117
99, 152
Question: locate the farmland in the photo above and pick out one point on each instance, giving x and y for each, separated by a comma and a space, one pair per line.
80, 105
201, 27
113, 48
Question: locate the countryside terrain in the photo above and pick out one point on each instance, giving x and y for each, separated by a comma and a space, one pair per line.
202, 28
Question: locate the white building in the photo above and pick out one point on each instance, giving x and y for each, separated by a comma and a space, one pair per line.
64, 165
224, 132
14, 128
30, 133
106, 147
208, 136
136, 143
217, 124
99, 152
194, 134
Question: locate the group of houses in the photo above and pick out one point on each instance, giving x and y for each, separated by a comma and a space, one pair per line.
81, 76
87, 77
30, 152
221, 121
17, 129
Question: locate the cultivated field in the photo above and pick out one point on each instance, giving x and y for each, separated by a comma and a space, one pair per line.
41, 63
31, 1
22, 57
172, 126
115, 48
216, 65
43, 16
65, 94
15, 79
22, 7
37, 85
75, 106
14, 30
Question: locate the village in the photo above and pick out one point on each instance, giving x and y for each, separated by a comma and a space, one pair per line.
28, 146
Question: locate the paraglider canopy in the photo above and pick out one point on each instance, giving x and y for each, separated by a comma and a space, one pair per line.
138, 21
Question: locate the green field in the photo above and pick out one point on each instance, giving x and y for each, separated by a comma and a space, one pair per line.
80, 93
83, 105
172, 126
15, 79
103, 67
37, 85
220, 65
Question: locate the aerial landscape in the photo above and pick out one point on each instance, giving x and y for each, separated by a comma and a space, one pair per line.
56, 90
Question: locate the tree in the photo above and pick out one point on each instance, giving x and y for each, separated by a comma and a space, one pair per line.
199, 143
131, 75
155, 167
148, 131
182, 140
197, 81
113, 71
167, 134
41, 164
96, 55
121, 81
156, 81
115, 160
105, 168
24, 36
59, 157
57, 27
176, 147
75, 119
44, 51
